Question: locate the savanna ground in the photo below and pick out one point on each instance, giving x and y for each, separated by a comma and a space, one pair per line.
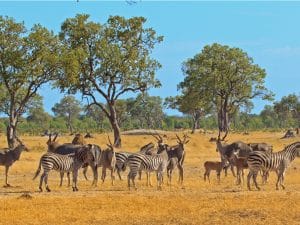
196, 202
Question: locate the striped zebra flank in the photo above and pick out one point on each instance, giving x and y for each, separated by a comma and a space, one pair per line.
65, 163
278, 161
121, 158
148, 163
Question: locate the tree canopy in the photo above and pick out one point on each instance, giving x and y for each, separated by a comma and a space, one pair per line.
103, 62
228, 77
28, 59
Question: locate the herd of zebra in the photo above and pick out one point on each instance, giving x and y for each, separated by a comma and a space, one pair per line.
70, 157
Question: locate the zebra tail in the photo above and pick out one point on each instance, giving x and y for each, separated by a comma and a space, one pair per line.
38, 170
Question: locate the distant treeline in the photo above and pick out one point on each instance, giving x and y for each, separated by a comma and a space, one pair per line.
146, 112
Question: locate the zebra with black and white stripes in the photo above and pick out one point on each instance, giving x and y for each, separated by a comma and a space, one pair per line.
278, 161
121, 157
149, 163
66, 163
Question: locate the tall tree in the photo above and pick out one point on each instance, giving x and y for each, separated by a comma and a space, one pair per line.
68, 108
228, 77
28, 59
104, 62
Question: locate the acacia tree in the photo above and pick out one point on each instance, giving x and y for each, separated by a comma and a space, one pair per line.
28, 59
104, 62
228, 77
69, 109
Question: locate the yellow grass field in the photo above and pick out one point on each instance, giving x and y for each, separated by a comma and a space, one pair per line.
196, 202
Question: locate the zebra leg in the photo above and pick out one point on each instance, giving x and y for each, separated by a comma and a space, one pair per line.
41, 182
148, 179
159, 180
118, 172
250, 174
254, 180
133, 181
46, 182
69, 179
128, 180
61, 178
140, 175
282, 180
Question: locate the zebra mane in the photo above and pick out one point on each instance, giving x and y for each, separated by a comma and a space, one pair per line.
292, 146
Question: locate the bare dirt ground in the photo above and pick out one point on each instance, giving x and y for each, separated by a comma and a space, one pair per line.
196, 202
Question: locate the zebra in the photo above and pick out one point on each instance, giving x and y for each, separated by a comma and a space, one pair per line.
121, 157
148, 163
278, 161
66, 163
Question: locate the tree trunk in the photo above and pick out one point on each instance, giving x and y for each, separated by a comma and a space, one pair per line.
223, 119
69, 124
115, 126
11, 132
196, 118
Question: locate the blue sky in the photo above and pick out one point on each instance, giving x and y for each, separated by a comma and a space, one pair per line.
268, 31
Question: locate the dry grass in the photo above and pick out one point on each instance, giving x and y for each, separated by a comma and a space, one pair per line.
194, 203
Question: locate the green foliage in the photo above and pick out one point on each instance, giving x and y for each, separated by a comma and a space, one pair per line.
227, 77
107, 61
28, 59
68, 108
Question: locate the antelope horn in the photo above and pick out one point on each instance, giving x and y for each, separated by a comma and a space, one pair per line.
178, 138
109, 141
160, 138
155, 137
56, 134
185, 136
18, 139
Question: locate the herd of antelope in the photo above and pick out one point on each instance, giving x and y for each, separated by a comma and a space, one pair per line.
70, 157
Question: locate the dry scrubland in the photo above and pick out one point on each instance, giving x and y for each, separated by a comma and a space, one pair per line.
196, 202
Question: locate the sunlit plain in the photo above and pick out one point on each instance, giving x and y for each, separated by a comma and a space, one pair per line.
196, 202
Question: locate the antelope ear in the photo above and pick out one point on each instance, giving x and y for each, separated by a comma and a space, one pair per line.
187, 141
